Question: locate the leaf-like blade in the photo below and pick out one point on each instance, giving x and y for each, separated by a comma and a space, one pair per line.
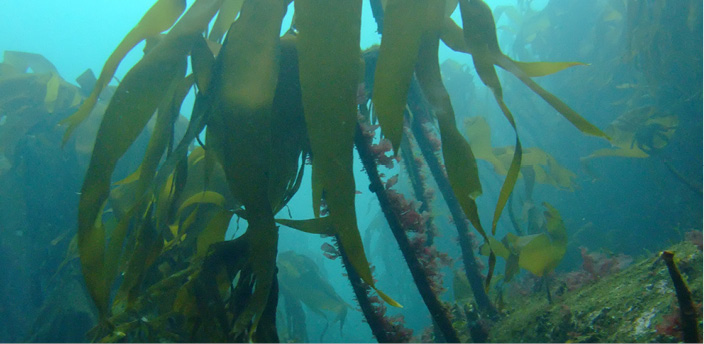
133, 104
536, 69
159, 18
404, 23
213, 232
330, 64
228, 11
318, 225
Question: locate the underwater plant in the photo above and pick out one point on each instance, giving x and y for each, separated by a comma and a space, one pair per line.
266, 103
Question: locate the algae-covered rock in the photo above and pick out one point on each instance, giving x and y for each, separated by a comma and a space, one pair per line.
637, 304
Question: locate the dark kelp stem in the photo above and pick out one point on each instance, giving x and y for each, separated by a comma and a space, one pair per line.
421, 115
438, 312
420, 109
419, 187
361, 293
688, 313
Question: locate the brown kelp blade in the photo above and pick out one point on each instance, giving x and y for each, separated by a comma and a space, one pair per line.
565, 110
227, 14
133, 104
404, 23
160, 17
330, 64
452, 36
480, 37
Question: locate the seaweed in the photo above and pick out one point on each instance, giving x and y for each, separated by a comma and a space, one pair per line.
153, 246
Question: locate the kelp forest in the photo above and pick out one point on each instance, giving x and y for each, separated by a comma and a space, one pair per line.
484, 173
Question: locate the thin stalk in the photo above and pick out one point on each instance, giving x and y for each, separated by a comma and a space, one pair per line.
360, 291
688, 313
421, 114
438, 311
419, 187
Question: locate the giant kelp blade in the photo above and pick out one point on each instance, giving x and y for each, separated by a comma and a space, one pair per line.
131, 107
460, 163
537, 69
213, 232
239, 129
317, 225
239, 135
577, 120
459, 160
158, 18
404, 22
452, 37
480, 37
162, 134
226, 15
301, 279
513, 170
133, 104
202, 62
23, 61
329, 62
288, 127
541, 253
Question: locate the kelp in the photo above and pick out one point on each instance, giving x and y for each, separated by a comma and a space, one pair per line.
159, 18
638, 133
330, 68
134, 102
25, 97
537, 253
240, 134
300, 279
266, 103
545, 168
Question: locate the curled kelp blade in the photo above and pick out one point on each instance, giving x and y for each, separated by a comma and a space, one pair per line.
480, 37
133, 104
537, 253
452, 36
160, 17
330, 64
23, 61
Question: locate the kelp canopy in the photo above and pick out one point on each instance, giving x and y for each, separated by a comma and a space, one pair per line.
153, 244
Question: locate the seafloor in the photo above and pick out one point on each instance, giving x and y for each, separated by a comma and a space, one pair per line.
637, 304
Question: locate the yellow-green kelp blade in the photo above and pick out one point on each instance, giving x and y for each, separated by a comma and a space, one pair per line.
565, 110
460, 163
404, 23
227, 14
480, 36
329, 63
239, 133
301, 279
213, 232
452, 36
160, 17
133, 104
537, 69
318, 225
541, 253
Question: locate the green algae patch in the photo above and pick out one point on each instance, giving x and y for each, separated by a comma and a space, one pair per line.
629, 306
